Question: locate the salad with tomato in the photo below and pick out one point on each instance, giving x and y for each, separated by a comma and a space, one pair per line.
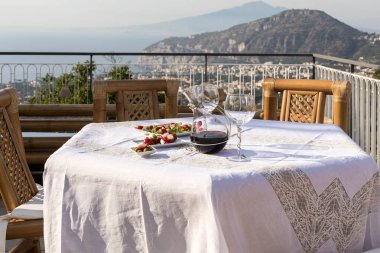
171, 128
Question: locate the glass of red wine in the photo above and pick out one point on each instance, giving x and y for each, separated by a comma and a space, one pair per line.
240, 108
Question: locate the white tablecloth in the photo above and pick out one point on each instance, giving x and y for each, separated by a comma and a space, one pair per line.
308, 188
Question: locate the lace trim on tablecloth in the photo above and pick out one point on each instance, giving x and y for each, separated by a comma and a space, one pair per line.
375, 197
315, 219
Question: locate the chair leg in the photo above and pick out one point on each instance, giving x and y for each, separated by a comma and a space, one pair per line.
31, 245
36, 248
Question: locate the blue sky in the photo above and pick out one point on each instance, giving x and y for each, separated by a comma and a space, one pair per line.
116, 13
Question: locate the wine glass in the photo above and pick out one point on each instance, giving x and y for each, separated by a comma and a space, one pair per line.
210, 97
240, 108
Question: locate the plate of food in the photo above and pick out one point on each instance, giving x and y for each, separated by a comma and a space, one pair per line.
179, 128
162, 140
144, 150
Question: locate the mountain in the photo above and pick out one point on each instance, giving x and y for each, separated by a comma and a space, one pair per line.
214, 21
126, 38
291, 31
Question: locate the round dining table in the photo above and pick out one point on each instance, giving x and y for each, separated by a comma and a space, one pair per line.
304, 188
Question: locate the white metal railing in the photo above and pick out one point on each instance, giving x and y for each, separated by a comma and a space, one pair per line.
364, 108
29, 79
364, 104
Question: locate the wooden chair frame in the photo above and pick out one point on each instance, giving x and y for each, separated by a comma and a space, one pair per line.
340, 90
101, 88
29, 230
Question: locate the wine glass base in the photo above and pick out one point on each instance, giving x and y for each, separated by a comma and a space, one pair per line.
241, 158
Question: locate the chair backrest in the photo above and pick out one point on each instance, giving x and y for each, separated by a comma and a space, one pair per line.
17, 185
303, 106
135, 99
304, 100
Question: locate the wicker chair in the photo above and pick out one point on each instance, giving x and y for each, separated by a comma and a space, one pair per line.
20, 195
135, 99
304, 100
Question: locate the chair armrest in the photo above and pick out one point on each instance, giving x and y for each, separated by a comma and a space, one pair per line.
25, 229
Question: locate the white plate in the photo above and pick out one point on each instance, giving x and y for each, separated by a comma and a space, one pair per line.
178, 142
178, 134
146, 153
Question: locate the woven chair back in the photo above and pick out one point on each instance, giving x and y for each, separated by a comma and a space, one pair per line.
137, 105
303, 106
17, 185
304, 100
135, 99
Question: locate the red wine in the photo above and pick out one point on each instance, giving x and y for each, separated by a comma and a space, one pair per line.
209, 142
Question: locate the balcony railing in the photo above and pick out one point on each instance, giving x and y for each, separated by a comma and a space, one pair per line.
364, 108
224, 70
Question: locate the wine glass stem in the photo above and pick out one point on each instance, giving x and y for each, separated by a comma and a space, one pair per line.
239, 140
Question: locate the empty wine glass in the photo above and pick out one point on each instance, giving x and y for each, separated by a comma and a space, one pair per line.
240, 108
210, 98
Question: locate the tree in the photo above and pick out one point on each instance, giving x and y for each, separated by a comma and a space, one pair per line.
74, 87
114, 59
69, 88
120, 73
376, 75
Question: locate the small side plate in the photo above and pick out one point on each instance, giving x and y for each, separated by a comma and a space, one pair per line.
146, 153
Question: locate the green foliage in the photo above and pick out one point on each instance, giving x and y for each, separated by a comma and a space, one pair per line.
73, 87
120, 73
69, 88
161, 98
376, 75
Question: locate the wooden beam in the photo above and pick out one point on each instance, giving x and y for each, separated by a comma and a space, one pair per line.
53, 125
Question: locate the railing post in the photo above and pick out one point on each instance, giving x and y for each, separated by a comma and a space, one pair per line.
206, 78
313, 77
91, 63
91, 77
